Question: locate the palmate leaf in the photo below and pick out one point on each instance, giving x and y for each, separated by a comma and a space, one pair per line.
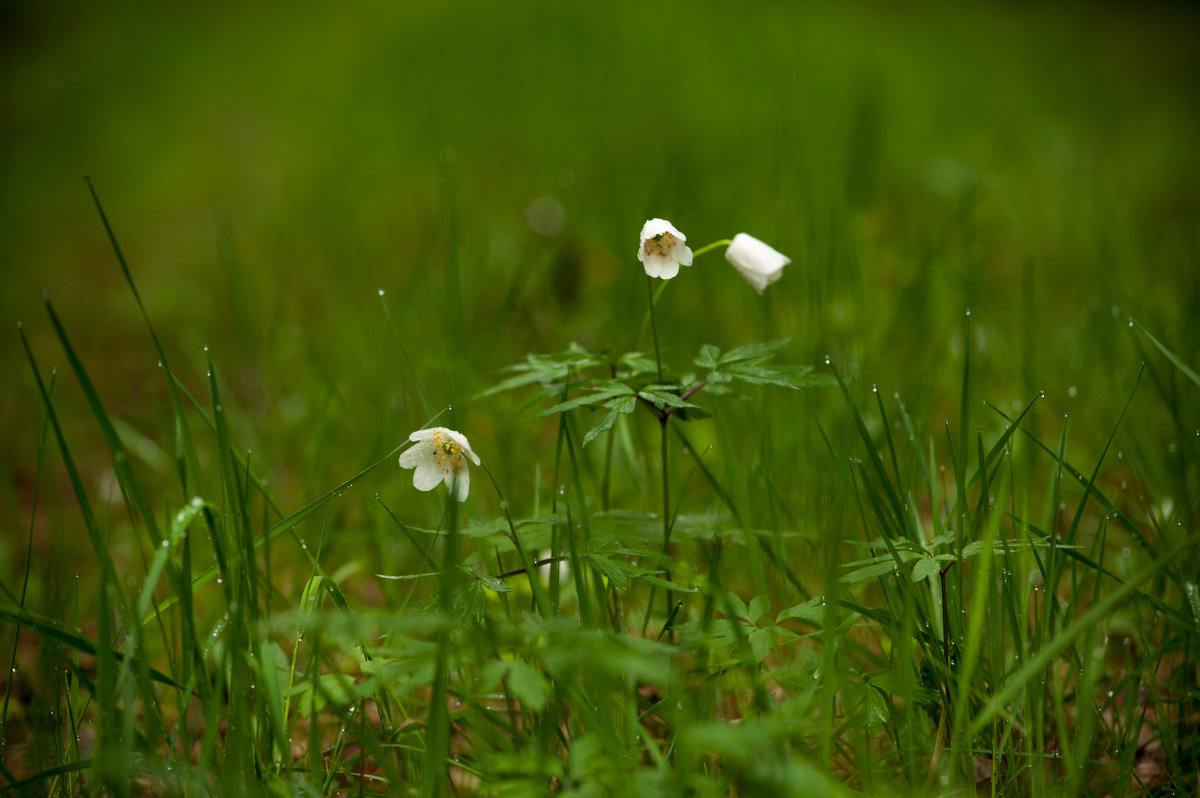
636, 364
749, 364
621, 406
545, 369
663, 396
752, 351
597, 395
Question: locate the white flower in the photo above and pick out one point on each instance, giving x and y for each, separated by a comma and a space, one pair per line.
438, 457
662, 250
760, 263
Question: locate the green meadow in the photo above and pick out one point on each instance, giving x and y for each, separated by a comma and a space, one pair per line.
918, 520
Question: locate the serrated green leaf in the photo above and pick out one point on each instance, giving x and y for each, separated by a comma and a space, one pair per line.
751, 351
638, 364
757, 375
528, 685
613, 571
483, 529
598, 395
877, 711
663, 398
812, 611
626, 404
760, 643
495, 585
708, 358
925, 568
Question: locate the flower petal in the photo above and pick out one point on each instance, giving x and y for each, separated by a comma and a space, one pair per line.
461, 484
658, 266
413, 455
654, 227
758, 262
427, 476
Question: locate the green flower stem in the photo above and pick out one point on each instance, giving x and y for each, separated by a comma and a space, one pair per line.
653, 324
724, 242
666, 512
528, 566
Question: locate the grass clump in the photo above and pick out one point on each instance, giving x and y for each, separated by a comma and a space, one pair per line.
973, 610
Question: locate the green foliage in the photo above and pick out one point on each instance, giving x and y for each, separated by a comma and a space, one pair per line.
686, 570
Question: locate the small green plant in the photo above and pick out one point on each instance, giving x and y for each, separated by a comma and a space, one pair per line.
969, 640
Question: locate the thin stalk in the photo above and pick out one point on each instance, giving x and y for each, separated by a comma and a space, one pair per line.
666, 511
654, 325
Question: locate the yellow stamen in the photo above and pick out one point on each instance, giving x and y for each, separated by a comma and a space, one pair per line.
447, 453
659, 244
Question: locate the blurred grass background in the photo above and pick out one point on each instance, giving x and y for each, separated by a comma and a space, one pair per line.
269, 169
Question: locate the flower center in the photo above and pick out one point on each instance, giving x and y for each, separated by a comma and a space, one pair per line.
659, 244
446, 452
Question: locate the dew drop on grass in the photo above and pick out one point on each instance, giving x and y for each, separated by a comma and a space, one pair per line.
1071, 392
1116, 311
381, 292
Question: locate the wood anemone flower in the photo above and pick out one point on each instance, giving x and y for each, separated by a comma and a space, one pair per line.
662, 249
759, 262
438, 456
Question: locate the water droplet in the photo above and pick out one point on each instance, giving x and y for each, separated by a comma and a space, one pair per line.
503, 503
381, 292
205, 348
968, 312
1116, 311
1071, 392
160, 364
